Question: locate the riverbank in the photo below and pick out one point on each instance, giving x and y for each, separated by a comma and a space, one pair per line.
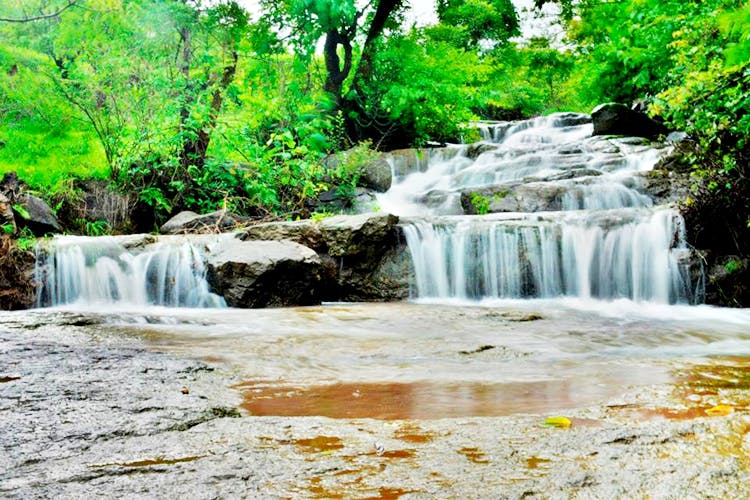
96, 404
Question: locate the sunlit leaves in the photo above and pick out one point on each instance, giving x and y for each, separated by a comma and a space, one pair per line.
474, 21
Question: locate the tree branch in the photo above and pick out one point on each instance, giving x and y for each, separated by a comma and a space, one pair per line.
71, 3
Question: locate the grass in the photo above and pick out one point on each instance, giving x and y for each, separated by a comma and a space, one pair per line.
45, 157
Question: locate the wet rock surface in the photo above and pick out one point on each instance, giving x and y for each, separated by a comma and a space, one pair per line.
36, 215
74, 400
362, 256
91, 411
7, 219
265, 273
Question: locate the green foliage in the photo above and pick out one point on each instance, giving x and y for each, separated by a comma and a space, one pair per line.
349, 167
26, 240
530, 80
319, 216
480, 203
466, 23
194, 105
21, 211
96, 227
8, 228
424, 85
732, 266
690, 61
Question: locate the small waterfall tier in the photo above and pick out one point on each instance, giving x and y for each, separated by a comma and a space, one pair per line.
562, 214
131, 270
622, 254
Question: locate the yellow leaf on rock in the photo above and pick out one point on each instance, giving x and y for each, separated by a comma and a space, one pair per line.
719, 410
563, 422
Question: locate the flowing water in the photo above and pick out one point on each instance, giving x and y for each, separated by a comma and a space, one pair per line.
124, 270
587, 230
583, 293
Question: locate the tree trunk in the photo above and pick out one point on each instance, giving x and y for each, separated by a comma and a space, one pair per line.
335, 73
382, 14
194, 150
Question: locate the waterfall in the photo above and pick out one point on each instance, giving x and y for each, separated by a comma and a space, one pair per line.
112, 270
569, 218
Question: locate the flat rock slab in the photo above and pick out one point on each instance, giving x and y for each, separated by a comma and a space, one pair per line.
188, 222
304, 232
87, 412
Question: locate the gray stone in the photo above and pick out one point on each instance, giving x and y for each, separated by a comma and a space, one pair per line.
304, 232
365, 254
360, 254
477, 149
533, 197
190, 222
617, 119
571, 119
265, 273
36, 215
348, 235
675, 137
376, 175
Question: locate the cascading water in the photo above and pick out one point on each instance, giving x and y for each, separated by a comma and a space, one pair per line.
109, 270
570, 219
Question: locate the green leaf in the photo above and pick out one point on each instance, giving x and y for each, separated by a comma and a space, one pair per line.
21, 211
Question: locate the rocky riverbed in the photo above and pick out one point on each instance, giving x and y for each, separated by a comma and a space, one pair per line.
165, 404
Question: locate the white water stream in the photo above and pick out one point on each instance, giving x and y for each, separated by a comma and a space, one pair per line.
112, 270
587, 230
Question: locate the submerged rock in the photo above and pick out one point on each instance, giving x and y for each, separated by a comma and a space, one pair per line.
265, 273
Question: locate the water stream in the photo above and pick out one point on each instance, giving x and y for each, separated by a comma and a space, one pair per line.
573, 222
138, 271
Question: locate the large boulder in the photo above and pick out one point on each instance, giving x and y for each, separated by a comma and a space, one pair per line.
358, 235
366, 253
362, 255
617, 119
192, 223
304, 232
265, 273
33, 213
